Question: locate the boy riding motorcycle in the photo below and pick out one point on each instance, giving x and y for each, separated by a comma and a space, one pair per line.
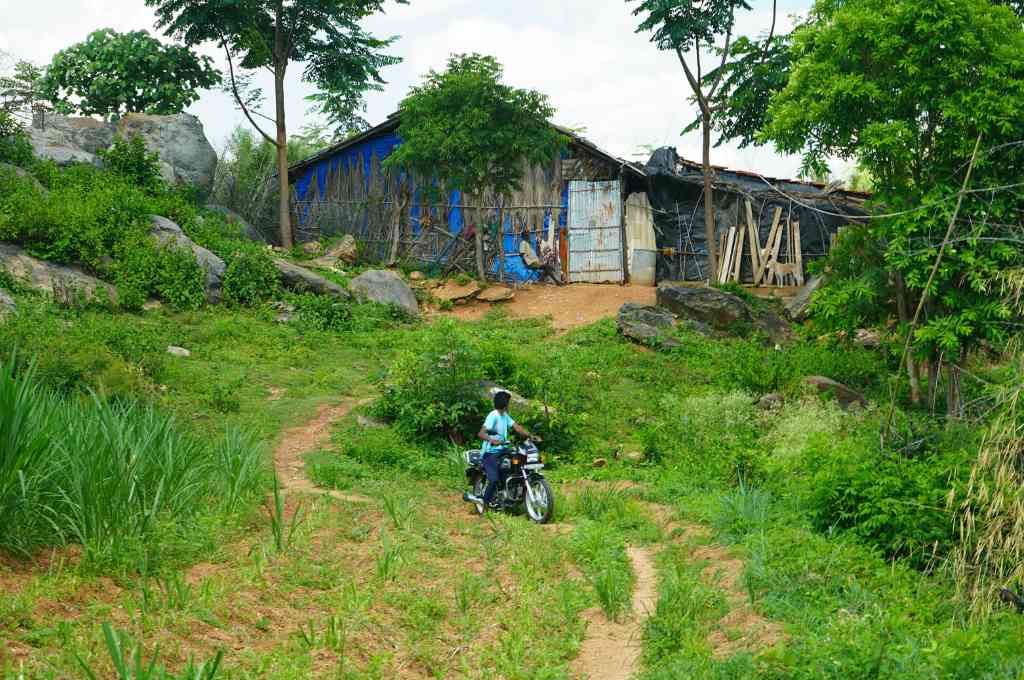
497, 422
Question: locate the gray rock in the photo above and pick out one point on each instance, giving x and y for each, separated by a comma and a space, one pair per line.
718, 309
798, 306
301, 279
517, 402
312, 248
345, 249
771, 401
494, 294
370, 423
185, 153
178, 352
167, 232
7, 305
846, 397
24, 174
231, 217
385, 287
68, 285
647, 325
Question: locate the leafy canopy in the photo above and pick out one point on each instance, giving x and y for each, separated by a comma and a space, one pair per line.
112, 73
473, 132
683, 24
340, 58
905, 87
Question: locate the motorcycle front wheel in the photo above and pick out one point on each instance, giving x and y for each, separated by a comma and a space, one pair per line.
479, 486
540, 504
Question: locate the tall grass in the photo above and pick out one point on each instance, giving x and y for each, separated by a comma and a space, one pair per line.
114, 477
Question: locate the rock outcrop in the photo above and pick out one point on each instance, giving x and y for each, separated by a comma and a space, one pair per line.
185, 153
167, 232
846, 397
452, 291
231, 217
345, 250
647, 325
68, 285
721, 311
7, 305
302, 280
24, 174
385, 287
494, 294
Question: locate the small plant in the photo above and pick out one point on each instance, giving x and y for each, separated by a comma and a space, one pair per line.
15, 147
281, 527
400, 510
129, 664
130, 159
333, 637
388, 560
251, 278
224, 397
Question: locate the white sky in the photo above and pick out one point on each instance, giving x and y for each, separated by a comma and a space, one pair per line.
584, 54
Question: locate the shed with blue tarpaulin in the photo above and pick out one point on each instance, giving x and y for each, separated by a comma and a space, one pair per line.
587, 204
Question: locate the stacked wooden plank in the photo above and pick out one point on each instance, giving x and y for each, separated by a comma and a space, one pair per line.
778, 263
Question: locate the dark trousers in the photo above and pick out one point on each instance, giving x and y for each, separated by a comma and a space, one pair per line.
492, 468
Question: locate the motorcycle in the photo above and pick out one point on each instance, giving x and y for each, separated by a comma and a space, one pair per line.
521, 485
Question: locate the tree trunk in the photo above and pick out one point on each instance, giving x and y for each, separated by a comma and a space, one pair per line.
903, 310
479, 237
709, 195
501, 240
284, 187
954, 397
934, 373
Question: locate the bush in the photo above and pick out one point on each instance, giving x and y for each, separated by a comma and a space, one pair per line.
129, 159
15, 147
251, 278
136, 493
758, 369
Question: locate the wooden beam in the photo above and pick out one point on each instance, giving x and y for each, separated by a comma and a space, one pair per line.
727, 260
755, 243
799, 255
766, 254
737, 267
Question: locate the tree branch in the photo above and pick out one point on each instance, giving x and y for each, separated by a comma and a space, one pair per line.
694, 84
725, 57
771, 32
238, 97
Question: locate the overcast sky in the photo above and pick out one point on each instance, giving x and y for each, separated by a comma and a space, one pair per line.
584, 54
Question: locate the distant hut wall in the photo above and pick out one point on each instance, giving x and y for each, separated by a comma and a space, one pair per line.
390, 212
678, 209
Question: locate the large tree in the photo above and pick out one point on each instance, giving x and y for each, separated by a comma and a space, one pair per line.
340, 58
690, 27
906, 88
110, 74
472, 132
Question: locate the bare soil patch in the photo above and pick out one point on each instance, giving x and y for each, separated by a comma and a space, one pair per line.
579, 304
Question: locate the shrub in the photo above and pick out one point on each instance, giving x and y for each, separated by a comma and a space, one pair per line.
15, 147
136, 493
129, 158
251, 278
758, 369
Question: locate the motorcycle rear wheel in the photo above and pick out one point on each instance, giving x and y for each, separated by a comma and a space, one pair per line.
540, 506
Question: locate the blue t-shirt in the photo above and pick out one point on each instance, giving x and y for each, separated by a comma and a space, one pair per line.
500, 423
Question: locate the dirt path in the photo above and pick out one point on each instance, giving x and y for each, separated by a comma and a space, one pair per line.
612, 649
305, 438
579, 304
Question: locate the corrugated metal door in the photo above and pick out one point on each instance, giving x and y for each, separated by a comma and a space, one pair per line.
595, 232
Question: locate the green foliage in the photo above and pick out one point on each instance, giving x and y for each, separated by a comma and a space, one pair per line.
15, 147
761, 369
681, 24
468, 129
129, 664
600, 551
251, 278
110, 74
129, 158
120, 508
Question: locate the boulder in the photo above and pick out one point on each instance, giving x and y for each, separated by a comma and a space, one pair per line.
7, 304
312, 248
797, 307
325, 262
345, 249
647, 325
67, 284
453, 291
301, 279
167, 232
771, 401
846, 397
370, 423
178, 352
185, 153
496, 294
868, 338
517, 403
720, 310
385, 287
231, 217
24, 174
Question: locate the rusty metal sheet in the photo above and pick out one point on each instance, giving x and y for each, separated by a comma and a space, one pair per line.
595, 232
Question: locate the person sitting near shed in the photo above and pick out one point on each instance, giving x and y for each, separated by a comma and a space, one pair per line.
547, 267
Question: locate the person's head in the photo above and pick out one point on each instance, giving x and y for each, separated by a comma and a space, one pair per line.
501, 400
525, 233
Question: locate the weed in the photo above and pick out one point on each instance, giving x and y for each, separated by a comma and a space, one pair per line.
399, 510
388, 559
129, 664
282, 528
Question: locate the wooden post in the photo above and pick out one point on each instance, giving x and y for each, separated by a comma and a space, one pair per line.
755, 243
737, 267
799, 252
730, 245
766, 254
